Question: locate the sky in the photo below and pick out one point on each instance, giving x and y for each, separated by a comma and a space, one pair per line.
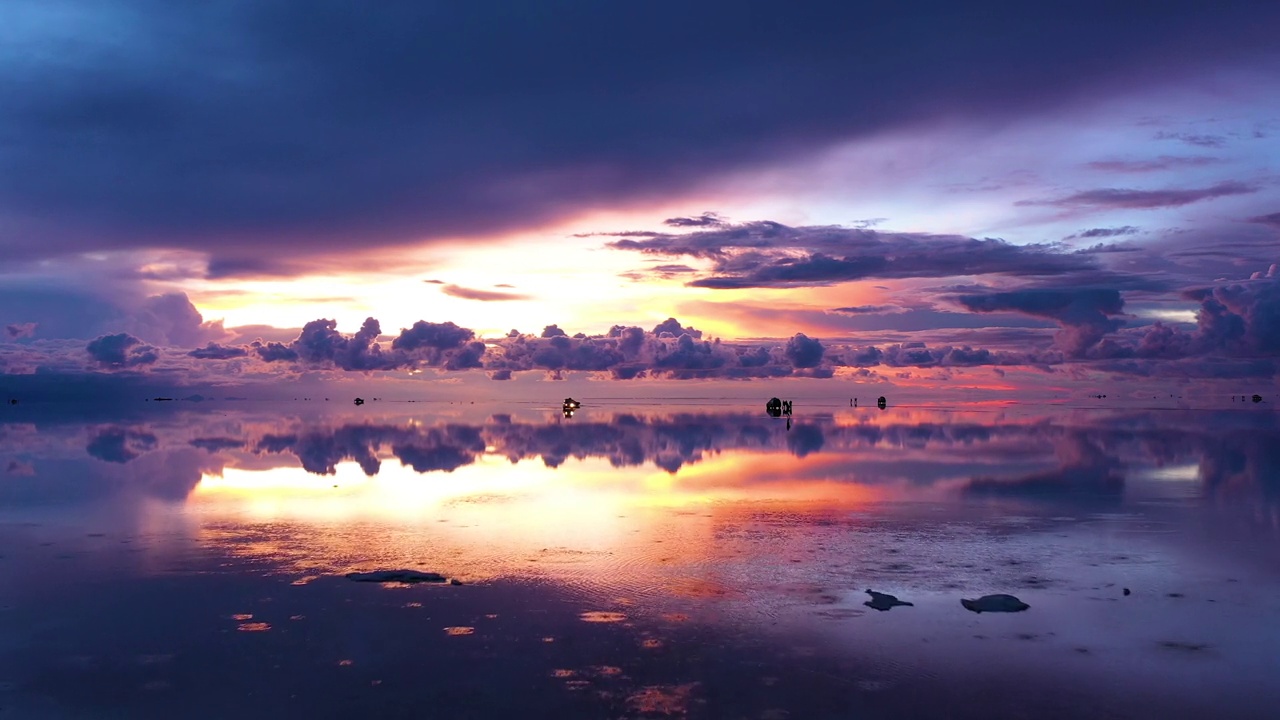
909, 195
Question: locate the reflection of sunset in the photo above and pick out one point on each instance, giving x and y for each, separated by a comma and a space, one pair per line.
494, 518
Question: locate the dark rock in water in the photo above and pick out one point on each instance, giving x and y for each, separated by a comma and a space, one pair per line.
409, 577
995, 603
882, 601
455, 581
1126, 592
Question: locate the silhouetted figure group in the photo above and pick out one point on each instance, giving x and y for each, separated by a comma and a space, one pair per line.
570, 406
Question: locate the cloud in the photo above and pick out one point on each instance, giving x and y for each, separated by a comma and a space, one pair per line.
870, 309
1123, 198
121, 351
214, 351
708, 219
172, 320
1273, 219
80, 305
120, 445
1205, 141
770, 254
803, 351
1240, 318
1085, 314
435, 336
672, 327
1164, 162
482, 295
17, 331
234, 124
1104, 232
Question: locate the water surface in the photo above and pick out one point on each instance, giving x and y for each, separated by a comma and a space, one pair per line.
691, 561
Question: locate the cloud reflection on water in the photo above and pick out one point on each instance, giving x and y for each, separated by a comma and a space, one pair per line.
723, 519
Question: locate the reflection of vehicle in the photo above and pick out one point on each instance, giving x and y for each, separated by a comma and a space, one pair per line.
570, 406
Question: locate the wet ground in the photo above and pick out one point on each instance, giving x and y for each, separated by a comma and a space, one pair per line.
633, 563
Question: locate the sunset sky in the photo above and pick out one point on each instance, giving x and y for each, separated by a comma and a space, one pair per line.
897, 194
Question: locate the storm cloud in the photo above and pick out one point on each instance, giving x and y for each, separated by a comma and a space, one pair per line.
770, 254
282, 129
1086, 315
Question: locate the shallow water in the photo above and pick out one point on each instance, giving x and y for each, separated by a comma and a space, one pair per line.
697, 561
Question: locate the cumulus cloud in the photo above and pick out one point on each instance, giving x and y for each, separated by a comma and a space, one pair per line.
803, 351
172, 320
215, 351
1085, 315
121, 351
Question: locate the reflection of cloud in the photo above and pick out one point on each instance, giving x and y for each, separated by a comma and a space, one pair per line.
120, 445
1087, 474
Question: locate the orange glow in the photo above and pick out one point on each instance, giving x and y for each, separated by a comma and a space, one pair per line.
586, 521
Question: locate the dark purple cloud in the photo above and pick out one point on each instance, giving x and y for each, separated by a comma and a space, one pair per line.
869, 309
1273, 219
271, 134
1143, 199
673, 327
1164, 162
769, 254
707, 219
17, 331
215, 351
1086, 315
1198, 140
120, 445
1241, 318
1104, 232
86, 308
275, 352
121, 351
481, 295
803, 351
436, 336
